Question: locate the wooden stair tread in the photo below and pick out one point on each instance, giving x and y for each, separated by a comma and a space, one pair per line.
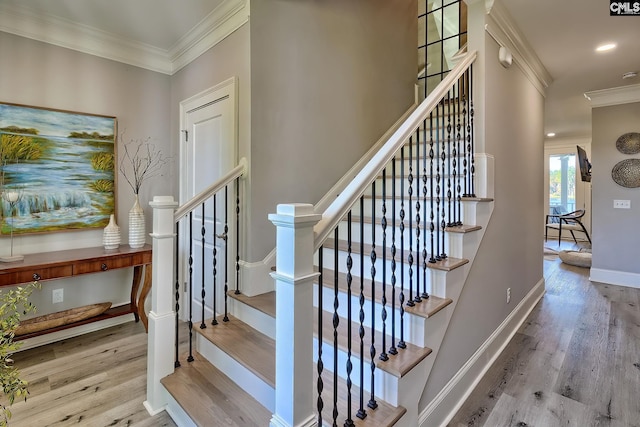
446, 264
427, 308
384, 415
453, 229
210, 398
398, 365
477, 199
265, 303
252, 349
462, 229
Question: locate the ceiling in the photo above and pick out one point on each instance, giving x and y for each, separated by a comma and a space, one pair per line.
563, 33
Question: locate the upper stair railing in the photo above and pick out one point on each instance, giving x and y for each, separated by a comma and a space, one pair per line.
376, 241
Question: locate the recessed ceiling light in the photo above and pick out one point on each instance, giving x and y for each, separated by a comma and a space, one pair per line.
605, 47
629, 75
551, 134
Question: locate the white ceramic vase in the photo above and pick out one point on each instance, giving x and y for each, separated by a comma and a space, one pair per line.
111, 235
137, 234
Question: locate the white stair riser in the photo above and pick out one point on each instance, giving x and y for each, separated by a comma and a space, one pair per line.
247, 380
384, 273
385, 384
409, 207
414, 326
417, 188
401, 239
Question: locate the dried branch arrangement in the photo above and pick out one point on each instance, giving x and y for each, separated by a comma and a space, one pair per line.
141, 161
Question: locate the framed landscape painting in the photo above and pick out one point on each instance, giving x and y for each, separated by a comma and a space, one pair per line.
57, 169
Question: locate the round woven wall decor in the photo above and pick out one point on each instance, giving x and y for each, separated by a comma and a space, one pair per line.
627, 173
629, 143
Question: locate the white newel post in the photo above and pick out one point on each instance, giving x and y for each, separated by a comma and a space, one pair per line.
294, 278
161, 341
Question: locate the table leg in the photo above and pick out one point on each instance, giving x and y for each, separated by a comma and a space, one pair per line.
135, 285
146, 287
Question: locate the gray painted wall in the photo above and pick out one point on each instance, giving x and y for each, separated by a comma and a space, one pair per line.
510, 255
43, 75
328, 79
615, 231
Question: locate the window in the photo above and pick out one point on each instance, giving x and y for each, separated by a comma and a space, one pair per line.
562, 183
442, 31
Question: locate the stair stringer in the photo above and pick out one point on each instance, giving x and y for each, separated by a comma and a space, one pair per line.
449, 284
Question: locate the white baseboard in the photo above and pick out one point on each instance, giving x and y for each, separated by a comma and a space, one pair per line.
613, 277
445, 405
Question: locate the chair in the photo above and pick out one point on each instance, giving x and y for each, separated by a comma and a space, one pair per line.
569, 221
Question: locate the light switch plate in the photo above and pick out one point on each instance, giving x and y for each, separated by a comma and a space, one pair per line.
622, 204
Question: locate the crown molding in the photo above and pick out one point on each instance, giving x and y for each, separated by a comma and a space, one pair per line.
614, 96
215, 27
501, 27
222, 21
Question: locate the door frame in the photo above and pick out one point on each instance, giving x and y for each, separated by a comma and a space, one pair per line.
227, 89
583, 189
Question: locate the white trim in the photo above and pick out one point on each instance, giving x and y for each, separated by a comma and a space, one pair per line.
255, 275
614, 96
445, 405
215, 27
220, 23
613, 277
501, 27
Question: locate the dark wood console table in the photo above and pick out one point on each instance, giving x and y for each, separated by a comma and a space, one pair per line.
75, 262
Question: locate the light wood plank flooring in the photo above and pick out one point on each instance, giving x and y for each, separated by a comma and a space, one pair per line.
574, 362
95, 380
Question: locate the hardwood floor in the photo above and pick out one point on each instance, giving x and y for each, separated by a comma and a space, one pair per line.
94, 380
574, 362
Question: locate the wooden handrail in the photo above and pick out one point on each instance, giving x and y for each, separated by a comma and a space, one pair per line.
332, 216
198, 199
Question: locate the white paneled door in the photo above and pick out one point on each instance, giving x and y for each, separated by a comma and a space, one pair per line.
208, 136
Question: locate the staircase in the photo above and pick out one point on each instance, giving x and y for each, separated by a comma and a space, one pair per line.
374, 280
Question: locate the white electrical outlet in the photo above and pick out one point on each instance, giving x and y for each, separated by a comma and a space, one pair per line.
57, 296
508, 295
622, 204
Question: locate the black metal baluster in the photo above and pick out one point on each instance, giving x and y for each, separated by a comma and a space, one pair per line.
215, 263
455, 143
458, 188
443, 157
439, 142
237, 291
226, 253
336, 322
432, 227
190, 358
383, 353
401, 343
349, 422
362, 414
410, 302
417, 298
467, 133
449, 143
203, 230
473, 151
320, 363
424, 293
372, 349
392, 349
176, 363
